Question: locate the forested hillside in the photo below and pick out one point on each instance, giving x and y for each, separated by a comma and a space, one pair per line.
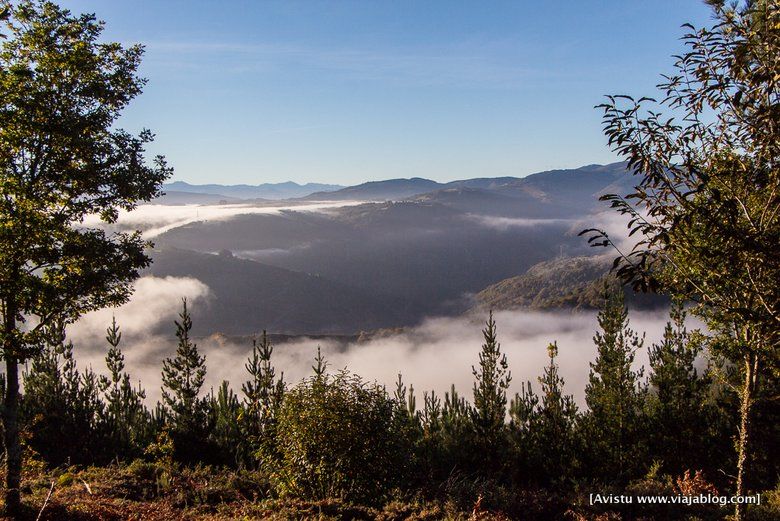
561, 283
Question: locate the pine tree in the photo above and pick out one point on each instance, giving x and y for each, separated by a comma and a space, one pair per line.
408, 429
263, 393
555, 423
61, 403
492, 381
678, 402
406, 402
489, 410
523, 410
615, 396
432, 417
182, 378
523, 418
321, 368
126, 417
408, 418
225, 426
455, 412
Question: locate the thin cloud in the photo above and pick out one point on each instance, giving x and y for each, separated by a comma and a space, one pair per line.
505, 223
155, 219
466, 65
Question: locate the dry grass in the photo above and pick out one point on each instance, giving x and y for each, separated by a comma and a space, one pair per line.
145, 491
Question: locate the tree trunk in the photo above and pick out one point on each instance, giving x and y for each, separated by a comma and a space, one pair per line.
751, 367
13, 449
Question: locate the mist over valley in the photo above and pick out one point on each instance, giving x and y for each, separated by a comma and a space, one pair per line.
386, 277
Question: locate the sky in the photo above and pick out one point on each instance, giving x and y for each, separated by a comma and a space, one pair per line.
353, 91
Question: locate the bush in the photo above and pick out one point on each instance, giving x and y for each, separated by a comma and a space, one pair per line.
335, 439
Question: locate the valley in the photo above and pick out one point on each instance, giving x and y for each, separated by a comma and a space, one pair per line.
386, 254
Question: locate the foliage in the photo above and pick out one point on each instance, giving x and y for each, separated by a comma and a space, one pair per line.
707, 204
335, 439
560, 283
549, 422
263, 394
224, 423
62, 160
679, 407
182, 378
488, 413
613, 426
62, 403
126, 418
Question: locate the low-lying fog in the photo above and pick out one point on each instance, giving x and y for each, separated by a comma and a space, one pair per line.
431, 356
155, 219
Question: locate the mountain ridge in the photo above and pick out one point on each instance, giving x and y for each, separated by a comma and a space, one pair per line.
273, 191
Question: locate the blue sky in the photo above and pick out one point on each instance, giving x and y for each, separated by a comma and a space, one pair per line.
346, 92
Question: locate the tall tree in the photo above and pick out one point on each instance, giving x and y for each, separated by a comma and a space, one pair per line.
678, 398
492, 380
614, 395
707, 200
126, 417
556, 420
61, 160
264, 392
182, 378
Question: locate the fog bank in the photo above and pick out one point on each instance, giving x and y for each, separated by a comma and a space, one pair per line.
155, 219
431, 356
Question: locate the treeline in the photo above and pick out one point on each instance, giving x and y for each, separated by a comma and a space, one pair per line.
336, 435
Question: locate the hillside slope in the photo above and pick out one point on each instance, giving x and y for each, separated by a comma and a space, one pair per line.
391, 189
564, 282
248, 296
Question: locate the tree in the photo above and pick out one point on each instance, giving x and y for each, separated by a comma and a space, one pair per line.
707, 202
182, 377
62, 160
491, 382
225, 427
543, 428
678, 400
126, 417
263, 393
489, 411
409, 432
614, 395
554, 427
336, 439
61, 403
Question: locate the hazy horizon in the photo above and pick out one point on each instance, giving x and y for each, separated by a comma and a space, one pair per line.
359, 182
350, 92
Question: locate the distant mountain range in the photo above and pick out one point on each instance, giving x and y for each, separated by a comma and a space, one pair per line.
552, 194
272, 191
423, 249
555, 193
177, 197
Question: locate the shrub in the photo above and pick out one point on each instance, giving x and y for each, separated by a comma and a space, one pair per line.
335, 439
